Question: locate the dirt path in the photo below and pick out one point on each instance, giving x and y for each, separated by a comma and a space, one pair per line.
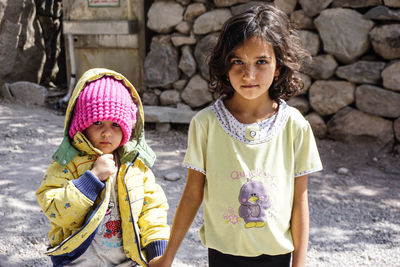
355, 216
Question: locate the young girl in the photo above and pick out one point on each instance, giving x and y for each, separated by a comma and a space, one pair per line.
249, 154
99, 193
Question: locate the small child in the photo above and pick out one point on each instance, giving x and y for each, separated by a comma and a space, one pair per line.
250, 153
104, 206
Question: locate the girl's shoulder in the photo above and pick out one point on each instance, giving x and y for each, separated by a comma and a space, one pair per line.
203, 116
295, 118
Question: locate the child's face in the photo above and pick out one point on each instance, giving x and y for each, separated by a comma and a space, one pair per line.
104, 135
253, 68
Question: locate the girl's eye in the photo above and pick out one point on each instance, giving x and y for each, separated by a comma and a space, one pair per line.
236, 62
97, 123
116, 124
262, 62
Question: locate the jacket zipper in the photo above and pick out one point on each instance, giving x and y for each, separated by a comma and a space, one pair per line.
130, 210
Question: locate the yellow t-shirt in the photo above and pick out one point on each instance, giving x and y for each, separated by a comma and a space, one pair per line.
250, 171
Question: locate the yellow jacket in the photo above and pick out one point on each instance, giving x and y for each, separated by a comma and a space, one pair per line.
75, 201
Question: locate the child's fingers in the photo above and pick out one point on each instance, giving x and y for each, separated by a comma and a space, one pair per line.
108, 157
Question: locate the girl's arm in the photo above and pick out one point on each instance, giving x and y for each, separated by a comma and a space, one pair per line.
187, 209
300, 221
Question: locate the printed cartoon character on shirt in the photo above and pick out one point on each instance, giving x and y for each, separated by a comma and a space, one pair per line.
254, 201
112, 225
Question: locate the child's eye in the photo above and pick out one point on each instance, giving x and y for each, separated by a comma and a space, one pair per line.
116, 124
97, 123
262, 62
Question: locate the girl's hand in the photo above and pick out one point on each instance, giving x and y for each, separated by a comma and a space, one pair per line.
104, 166
158, 262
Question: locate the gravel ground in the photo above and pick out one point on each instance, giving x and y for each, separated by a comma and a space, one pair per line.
354, 201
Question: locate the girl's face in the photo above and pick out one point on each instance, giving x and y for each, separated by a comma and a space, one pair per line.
104, 135
253, 68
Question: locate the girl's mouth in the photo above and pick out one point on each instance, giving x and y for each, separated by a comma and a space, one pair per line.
105, 143
249, 86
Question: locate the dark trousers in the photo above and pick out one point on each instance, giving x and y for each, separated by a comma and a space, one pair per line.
218, 259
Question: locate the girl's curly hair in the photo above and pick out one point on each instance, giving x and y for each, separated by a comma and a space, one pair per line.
273, 26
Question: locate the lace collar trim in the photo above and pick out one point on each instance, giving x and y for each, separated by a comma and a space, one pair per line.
254, 133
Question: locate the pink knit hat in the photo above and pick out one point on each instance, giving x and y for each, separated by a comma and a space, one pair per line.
105, 99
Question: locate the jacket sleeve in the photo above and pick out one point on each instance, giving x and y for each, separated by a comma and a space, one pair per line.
153, 218
66, 199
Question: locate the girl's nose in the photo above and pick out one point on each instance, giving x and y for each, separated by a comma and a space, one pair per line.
248, 72
106, 132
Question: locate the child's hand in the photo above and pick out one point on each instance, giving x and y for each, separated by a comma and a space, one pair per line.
104, 166
158, 262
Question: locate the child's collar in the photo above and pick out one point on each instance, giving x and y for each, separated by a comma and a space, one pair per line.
65, 152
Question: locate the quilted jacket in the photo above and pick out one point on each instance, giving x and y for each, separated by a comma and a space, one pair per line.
75, 201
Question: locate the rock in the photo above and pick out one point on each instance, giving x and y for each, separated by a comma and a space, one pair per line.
343, 171
183, 2
328, 97
170, 98
396, 149
396, 127
179, 85
243, 7
203, 50
301, 20
352, 125
391, 76
179, 39
163, 127
310, 41
318, 124
211, 21
362, 71
385, 40
8, 43
50, 20
286, 6
193, 11
157, 91
382, 13
355, 3
161, 63
196, 93
392, 3
183, 27
183, 106
160, 114
378, 101
22, 47
187, 63
172, 176
313, 7
25, 92
163, 16
228, 3
300, 103
321, 67
306, 80
344, 33
150, 98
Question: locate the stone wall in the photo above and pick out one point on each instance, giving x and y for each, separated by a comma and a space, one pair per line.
352, 85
